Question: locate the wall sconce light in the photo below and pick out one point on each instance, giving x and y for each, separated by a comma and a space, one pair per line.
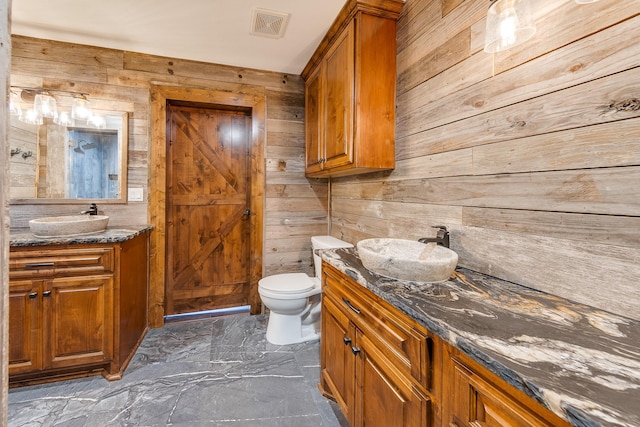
64, 119
81, 108
31, 116
509, 23
98, 122
586, 1
44, 105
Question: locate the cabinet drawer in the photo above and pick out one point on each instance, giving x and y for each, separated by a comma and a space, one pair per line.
397, 335
54, 262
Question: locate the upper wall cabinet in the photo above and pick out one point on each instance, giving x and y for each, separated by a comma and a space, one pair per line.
350, 92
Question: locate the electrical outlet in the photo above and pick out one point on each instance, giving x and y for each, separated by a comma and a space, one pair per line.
135, 194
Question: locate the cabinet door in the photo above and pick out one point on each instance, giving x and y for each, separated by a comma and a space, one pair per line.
385, 396
77, 321
337, 361
475, 402
25, 339
313, 128
339, 75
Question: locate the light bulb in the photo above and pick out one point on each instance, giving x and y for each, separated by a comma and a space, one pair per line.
31, 116
64, 119
509, 23
45, 104
81, 108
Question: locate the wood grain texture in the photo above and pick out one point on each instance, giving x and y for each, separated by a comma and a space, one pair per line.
593, 57
533, 167
5, 64
554, 33
123, 80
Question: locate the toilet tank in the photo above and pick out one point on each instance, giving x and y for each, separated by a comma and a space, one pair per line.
325, 242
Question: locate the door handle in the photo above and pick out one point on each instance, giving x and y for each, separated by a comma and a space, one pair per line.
39, 264
346, 340
355, 350
348, 303
46, 294
32, 295
247, 212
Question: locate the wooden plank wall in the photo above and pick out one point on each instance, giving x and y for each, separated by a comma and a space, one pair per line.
120, 81
531, 156
5, 59
24, 177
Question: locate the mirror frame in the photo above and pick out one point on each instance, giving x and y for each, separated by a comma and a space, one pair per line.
122, 184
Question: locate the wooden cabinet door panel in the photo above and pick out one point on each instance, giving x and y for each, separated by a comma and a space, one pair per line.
313, 128
477, 403
338, 336
78, 321
386, 396
339, 102
24, 326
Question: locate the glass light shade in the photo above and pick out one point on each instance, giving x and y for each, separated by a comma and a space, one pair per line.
509, 23
98, 122
81, 108
45, 104
64, 119
31, 116
586, 1
14, 105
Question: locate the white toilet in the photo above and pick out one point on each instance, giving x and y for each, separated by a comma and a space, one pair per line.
294, 299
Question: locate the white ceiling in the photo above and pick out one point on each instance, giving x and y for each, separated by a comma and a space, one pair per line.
216, 31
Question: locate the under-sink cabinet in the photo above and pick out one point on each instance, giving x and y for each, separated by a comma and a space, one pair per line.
475, 397
375, 363
350, 92
385, 369
76, 310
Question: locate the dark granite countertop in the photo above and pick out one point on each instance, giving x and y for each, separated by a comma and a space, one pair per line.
578, 361
117, 234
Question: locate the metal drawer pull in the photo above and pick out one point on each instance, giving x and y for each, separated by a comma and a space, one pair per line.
346, 301
355, 350
346, 340
39, 264
32, 295
46, 294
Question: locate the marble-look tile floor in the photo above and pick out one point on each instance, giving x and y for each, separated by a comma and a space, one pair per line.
212, 372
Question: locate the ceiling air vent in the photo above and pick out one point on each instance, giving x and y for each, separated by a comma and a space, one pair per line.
268, 23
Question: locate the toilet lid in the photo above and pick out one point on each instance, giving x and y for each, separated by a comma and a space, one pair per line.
287, 283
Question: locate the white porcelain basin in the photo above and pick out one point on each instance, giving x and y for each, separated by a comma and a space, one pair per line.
407, 259
69, 225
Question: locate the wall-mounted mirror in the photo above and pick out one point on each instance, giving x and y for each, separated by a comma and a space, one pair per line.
51, 163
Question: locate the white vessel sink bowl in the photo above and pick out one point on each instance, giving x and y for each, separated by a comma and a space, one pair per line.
68, 226
407, 259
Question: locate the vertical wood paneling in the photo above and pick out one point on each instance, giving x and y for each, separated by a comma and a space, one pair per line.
533, 166
5, 60
121, 81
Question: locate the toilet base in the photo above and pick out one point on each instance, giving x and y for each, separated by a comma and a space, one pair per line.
283, 329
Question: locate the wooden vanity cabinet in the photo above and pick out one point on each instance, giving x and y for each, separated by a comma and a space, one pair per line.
350, 92
374, 363
384, 369
76, 310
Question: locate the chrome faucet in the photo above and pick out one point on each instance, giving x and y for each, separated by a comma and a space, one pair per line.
442, 236
93, 210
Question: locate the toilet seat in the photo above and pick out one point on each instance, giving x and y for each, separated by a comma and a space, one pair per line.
287, 283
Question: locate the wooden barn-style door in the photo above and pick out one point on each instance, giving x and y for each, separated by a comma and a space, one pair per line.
208, 208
